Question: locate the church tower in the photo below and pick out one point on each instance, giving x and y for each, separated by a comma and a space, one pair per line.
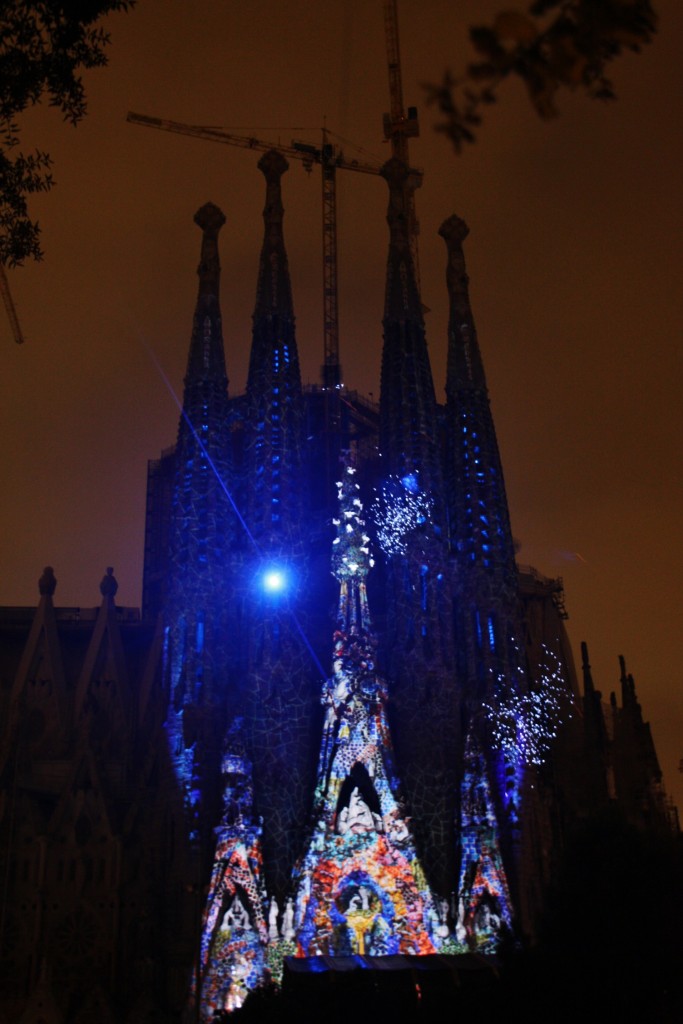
488, 632
201, 535
410, 517
279, 667
274, 402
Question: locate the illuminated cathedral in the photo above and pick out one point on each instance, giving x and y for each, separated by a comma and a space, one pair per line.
345, 725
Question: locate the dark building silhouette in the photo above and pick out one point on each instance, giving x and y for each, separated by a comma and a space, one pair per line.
159, 797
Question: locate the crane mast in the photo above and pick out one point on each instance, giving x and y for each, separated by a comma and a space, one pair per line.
399, 126
329, 158
331, 368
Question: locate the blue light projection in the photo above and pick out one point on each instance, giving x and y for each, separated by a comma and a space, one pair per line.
400, 509
484, 533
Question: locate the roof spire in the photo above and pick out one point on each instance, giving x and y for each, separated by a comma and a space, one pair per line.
210, 219
47, 584
206, 360
487, 620
480, 529
465, 367
274, 293
202, 523
278, 663
588, 686
418, 640
408, 419
109, 584
274, 384
626, 683
402, 298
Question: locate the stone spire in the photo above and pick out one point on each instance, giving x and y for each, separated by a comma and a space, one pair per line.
202, 530
401, 297
489, 637
593, 767
465, 368
480, 522
408, 423
411, 527
588, 687
637, 773
47, 584
628, 690
206, 358
274, 409
274, 291
279, 668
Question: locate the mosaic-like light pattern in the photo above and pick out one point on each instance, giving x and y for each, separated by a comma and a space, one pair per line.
359, 888
484, 914
234, 932
360, 885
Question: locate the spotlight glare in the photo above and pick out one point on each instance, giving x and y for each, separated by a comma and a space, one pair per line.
274, 581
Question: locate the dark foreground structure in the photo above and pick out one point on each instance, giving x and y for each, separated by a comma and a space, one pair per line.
340, 760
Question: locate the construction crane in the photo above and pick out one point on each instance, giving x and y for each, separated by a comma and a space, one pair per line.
330, 160
399, 126
9, 306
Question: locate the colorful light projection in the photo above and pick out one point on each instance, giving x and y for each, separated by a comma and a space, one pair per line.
234, 932
484, 913
525, 725
360, 886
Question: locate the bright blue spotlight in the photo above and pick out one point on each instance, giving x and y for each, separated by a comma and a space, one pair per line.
274, 581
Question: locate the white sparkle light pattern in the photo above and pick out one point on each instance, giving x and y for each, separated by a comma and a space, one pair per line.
525, 725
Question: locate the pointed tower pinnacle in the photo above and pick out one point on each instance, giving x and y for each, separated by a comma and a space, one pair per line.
206, 358
274, 382
594, 768
465, 368
481, 533
402, 298
408, 425
279, 669
588, 687
274, 292
489, 635
201, 534
47, 584
410, 517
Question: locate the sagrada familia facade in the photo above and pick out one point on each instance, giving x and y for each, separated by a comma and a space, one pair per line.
345, 722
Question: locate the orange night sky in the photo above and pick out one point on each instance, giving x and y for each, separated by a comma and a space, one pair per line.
574, 258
